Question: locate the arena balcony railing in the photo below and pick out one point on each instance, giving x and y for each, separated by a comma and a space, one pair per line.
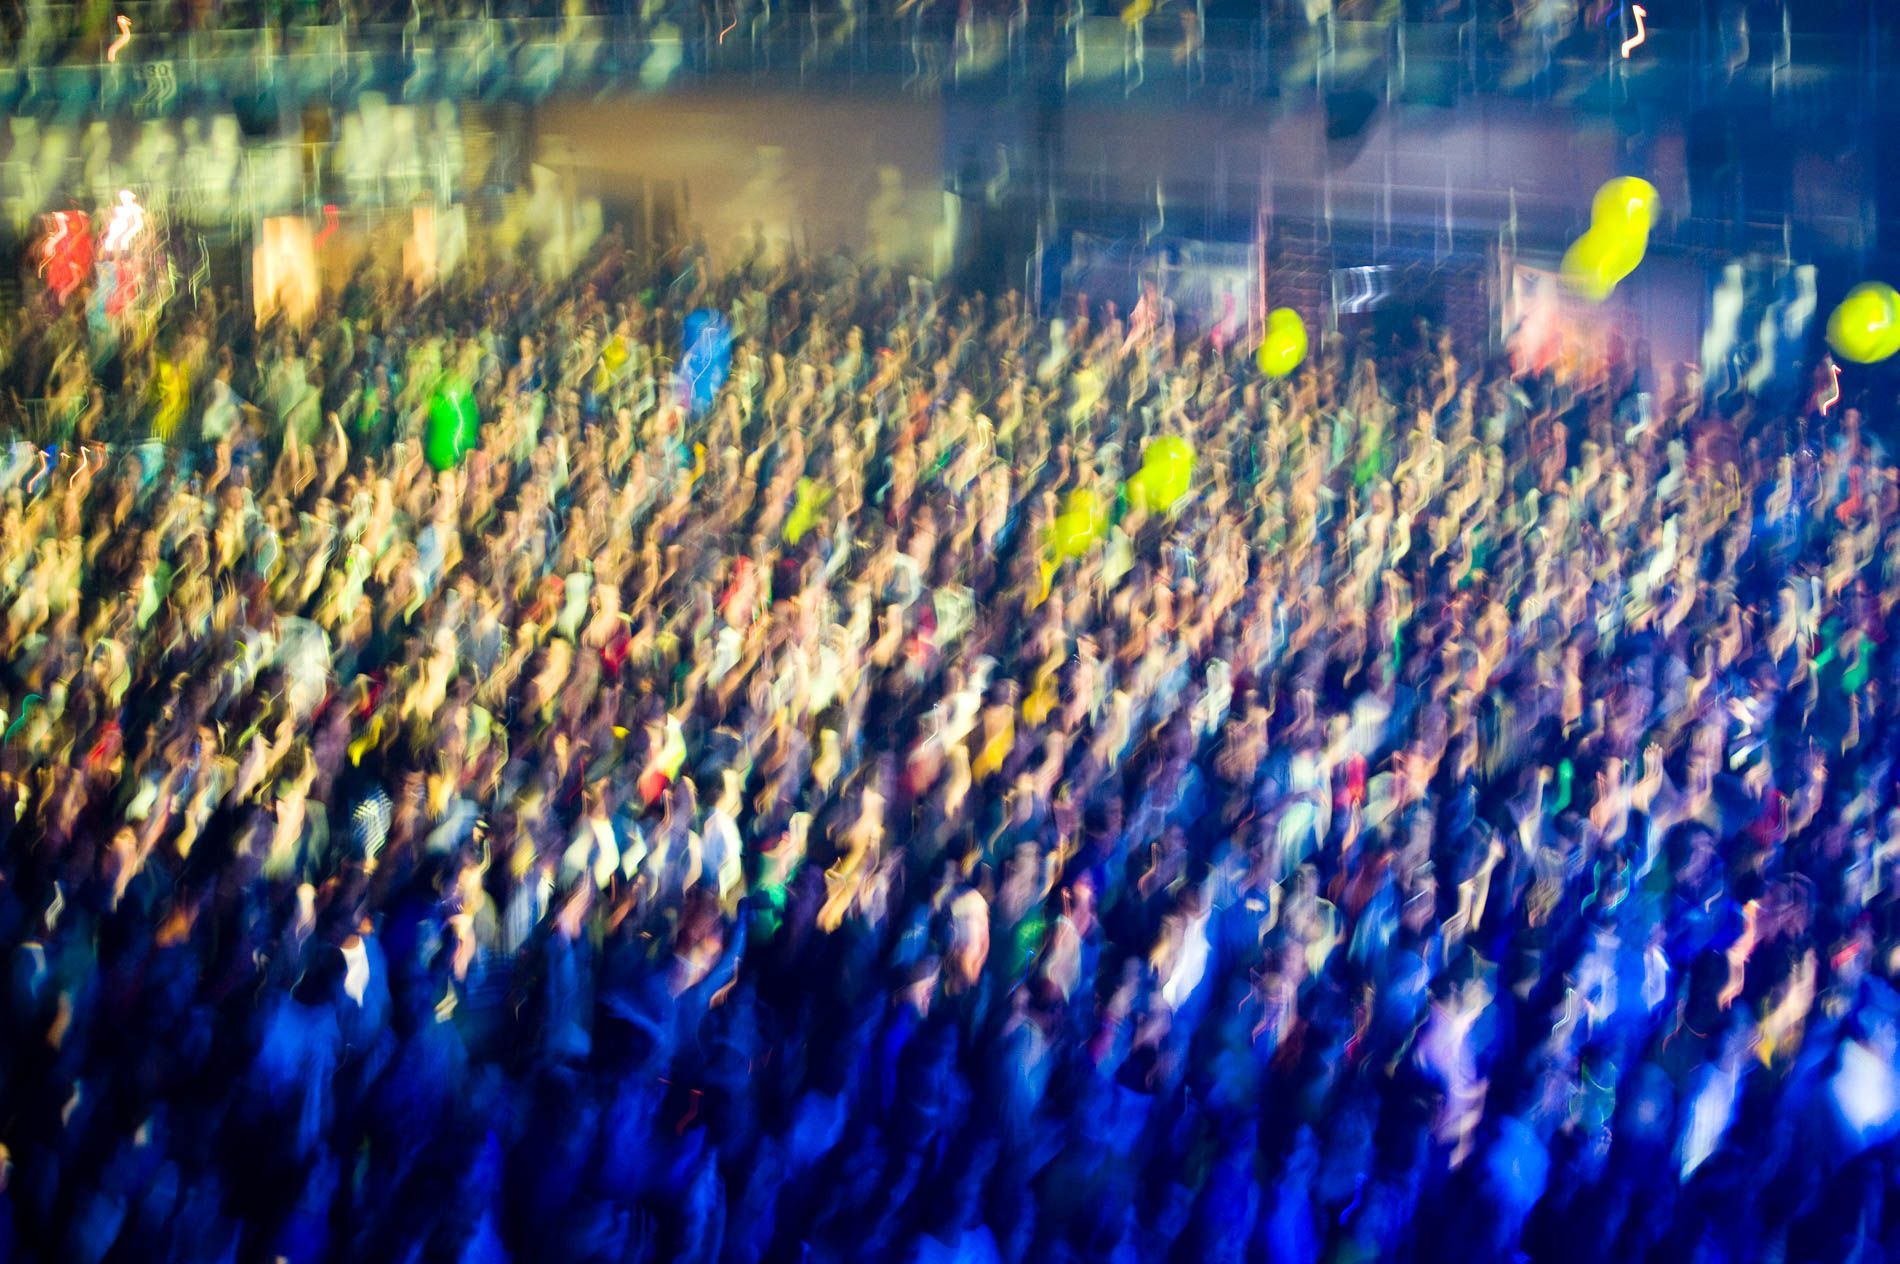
73, 56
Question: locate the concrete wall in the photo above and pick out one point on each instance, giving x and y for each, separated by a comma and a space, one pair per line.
1473, 159
824, 172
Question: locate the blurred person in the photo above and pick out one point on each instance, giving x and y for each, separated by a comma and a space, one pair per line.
1457, 809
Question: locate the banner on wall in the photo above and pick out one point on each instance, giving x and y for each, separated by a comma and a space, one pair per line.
1549, 329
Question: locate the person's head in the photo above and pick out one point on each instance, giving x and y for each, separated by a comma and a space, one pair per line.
322, 981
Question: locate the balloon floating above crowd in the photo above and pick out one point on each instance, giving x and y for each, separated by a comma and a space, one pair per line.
705, 359
1165, 477
1284, 346
811, 500
1865, 328
1079, 525
454, 427
1621, 215
1626, 204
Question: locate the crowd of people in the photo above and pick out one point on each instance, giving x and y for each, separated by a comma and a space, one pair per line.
1464, 826
50, 32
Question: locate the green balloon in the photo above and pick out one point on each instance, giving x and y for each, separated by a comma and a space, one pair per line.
468, 422
438, 445
441, 441
454, 428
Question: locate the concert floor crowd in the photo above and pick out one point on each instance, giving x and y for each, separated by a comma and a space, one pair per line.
1464, 827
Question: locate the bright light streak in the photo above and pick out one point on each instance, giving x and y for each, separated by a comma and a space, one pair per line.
329, 224
128, 221
1641, 33
201, 273
1833, 388
50, 251
125, 37
1866, 1093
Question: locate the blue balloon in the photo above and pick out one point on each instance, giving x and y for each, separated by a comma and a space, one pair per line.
705, 359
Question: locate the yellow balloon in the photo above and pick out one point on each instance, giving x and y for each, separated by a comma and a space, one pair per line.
1072, 535
1865, 328
812, 498
1166, 475
1160, 485
1625, 202
1079, 525
1891, 343
1285, 344
1083, 503
616, 353
1600, 259
1625, 252
1169, 450
1585, 269
1141, 490
1171, 484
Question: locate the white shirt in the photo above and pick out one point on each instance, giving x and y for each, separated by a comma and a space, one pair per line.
1190, 963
